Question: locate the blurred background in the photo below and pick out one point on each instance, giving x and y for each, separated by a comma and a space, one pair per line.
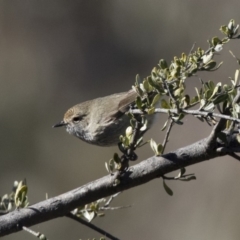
55, 54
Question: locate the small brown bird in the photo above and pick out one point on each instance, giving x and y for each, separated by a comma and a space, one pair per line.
99, 121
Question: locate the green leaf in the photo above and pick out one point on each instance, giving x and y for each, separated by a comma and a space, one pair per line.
194, 100
137, 80
210, 65
167, 189
146, 85
224, 29
178, 92
116, 158
155, 99
164, 104
182, 171
163, 64
211, 85
111, 165
231, 24
216, 41
185, 101
160, 149
154, 146
151, 110
176, 119
139, 102
88, 215
20, 198
236, 77
139, 141
188, 178
202, 103
144, 126
181, 116
164, 126
107, 168
198, 95
216, 90
220, 98
209, 107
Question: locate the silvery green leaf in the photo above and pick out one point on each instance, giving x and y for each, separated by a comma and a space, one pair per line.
211, 85
220, 98
155, 99
139, 102
188, 178
88, 215
142, 88
100, 214
224, 29
209, 107
129, 131
146, 85
181, 116
209, 65
144, 127
159, 149
237, 108
139, 141
164, 104
151, 110
235, 31
202, 103
218, 47
154, 146
10, 206
217, 89
106, 166
215, 41
163, 64
206, 58
164, 126
111, 165
182, 171
198, 95
116, 158
231, 24
137, 80
236, 77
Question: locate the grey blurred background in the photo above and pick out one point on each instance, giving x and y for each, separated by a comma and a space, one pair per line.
54, 54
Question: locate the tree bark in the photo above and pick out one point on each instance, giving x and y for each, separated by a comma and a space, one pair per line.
143, 172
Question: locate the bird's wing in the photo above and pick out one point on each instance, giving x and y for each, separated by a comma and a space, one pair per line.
125, 100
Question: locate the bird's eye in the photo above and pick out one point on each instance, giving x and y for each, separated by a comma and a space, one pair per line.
76, 119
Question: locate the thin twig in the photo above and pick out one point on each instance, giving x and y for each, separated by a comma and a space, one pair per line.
171, 95
114, 208
141, 145
217, 128
111, 198
90, 225
192, 112
191, 51
235, 156
35, 234
135, 137
167, 135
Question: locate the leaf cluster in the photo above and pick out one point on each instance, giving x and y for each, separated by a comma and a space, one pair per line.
16, 199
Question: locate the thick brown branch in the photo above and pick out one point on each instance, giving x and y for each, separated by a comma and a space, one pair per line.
138, 174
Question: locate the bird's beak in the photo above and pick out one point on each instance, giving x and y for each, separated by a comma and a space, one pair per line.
60, 124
